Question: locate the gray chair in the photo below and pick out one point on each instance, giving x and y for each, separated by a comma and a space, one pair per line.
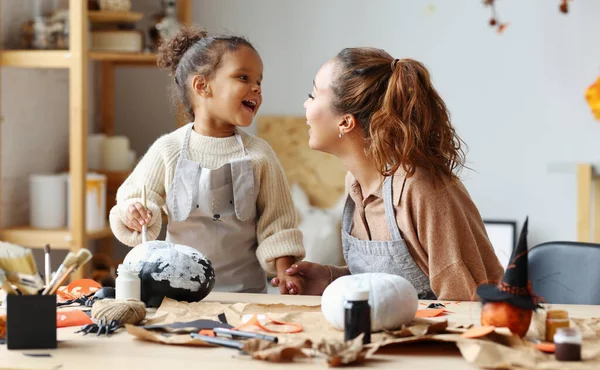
566, 272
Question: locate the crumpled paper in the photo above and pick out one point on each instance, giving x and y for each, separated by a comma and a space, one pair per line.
499, 349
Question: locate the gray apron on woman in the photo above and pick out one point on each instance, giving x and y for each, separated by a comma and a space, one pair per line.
214, 211
390, 257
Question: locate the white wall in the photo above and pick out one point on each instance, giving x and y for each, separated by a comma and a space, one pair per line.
516, 99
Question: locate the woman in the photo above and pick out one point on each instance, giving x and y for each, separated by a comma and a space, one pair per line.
407, 212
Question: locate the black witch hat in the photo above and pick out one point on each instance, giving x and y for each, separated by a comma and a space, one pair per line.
514, 287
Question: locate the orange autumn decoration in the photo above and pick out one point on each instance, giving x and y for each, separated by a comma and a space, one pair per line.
511, 302
592, 95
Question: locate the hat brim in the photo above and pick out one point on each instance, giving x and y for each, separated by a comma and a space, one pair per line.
491, 293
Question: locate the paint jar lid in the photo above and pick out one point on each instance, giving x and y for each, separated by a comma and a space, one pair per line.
357, 295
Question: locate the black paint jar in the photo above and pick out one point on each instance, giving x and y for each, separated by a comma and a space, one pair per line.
357, 316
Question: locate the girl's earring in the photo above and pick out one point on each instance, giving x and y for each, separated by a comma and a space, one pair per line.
340, 135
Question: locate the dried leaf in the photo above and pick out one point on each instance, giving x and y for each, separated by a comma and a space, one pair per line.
273, 352
344, 353
420, 327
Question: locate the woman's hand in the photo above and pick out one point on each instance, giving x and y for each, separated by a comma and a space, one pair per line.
315, 277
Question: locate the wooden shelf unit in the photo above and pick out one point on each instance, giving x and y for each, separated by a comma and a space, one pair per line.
76, 60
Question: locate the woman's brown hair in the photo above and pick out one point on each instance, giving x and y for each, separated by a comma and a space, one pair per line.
403, 117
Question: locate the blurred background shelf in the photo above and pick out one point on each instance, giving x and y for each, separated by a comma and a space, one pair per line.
125, 58
97, 16
36, 58
38, 238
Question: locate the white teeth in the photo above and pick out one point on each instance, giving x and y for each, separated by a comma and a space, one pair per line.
252, 103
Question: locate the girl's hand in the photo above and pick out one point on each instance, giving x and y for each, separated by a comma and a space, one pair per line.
288, 284
314, 278
137, 216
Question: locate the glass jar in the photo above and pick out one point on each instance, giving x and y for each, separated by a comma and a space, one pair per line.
568, 344
128, 284
555, 319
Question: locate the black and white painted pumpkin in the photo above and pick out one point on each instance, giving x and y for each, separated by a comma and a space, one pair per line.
171, 270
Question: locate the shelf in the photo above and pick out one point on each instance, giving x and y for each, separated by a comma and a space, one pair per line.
38, 238
124, 58
36, 58
62, 58
102, 16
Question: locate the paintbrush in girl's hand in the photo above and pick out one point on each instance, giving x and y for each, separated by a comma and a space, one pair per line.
145, 225
83, 256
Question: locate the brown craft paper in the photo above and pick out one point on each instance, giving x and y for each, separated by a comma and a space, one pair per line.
498, 350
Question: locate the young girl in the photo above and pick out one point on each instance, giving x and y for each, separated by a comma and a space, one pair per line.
407, 212
224, 190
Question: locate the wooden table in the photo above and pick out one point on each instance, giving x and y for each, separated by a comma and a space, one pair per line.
122, 351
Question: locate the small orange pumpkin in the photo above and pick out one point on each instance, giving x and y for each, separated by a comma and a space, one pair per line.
503, 314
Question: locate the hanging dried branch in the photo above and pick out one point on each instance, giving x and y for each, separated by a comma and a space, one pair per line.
500, 26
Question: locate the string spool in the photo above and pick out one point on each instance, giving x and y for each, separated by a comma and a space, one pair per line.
126, 311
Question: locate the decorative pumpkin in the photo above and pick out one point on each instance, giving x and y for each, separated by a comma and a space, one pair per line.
511, 302
503, 314
171, 270
392, 298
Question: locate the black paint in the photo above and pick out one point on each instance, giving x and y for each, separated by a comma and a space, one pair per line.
568, 352
357, 320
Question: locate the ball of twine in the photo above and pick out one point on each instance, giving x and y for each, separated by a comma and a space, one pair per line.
127, 311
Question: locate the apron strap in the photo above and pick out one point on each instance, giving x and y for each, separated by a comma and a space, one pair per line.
186, 140
390, 214
239, 139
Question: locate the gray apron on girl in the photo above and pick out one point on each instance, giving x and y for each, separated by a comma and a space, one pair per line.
390, 257
214, 211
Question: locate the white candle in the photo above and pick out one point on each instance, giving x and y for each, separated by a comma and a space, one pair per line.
115, 154
47, 193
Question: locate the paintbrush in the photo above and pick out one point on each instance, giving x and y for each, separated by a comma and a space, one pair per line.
17, 259
27, 284
144, 226
47, 265
83, 256
5, 284
70, 259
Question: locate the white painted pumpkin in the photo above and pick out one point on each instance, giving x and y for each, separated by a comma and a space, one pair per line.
392, 298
